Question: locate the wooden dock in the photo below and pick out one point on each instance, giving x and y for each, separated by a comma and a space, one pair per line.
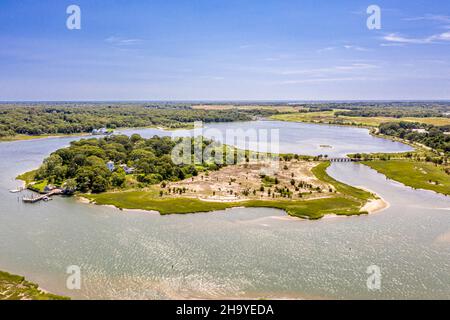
42, 197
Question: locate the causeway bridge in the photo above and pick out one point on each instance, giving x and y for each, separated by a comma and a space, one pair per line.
342, 159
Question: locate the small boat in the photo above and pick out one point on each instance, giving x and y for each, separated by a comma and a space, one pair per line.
16, 190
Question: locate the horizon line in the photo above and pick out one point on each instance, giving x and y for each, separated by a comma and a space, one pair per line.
223, 101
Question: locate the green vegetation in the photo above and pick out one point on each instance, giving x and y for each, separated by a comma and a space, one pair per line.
418, 175
426, 127
269, 181
4, 137
27, 177
122, 162
348, 201
17, 121
311, 209
431, 136
139, 170
390, 111
14, 287
38, 186
339, 117
133, 162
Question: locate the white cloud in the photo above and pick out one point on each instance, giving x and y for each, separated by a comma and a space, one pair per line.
357, 48
430, 17
393, 44
326, 49
122, 41
442, 37
347, 47
331, 70
322, 80
394, 37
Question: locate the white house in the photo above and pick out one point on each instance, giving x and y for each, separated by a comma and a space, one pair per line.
420, 130
101, 131
110, 165
127, 169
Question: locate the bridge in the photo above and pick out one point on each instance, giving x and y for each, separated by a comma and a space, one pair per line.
342, 159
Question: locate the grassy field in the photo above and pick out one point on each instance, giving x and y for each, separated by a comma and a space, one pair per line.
331, 118
418, 175
347, 201
246, 107
27, 177
311, 209
14, 287
21, 137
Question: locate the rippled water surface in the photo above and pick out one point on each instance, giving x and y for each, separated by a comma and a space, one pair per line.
233, 253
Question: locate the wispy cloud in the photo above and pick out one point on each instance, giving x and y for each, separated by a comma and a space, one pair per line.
392, 44
430, 17
347, 47
326, 49
118, 41
394, 37
322, 80
330, 70
357, 48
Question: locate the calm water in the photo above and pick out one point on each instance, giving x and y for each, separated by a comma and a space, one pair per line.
300, 138
232, 253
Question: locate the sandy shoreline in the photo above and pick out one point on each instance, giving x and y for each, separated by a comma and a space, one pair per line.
375, 205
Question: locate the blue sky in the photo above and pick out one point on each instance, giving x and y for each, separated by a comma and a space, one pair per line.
224, 50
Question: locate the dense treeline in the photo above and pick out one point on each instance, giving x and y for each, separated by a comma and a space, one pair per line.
394, 112
84, 165
428, 135
384, 108
66, 119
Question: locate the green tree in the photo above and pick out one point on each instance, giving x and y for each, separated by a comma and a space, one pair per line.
99, 184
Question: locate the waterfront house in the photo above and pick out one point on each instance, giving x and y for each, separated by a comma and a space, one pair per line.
110, 166
48, 188
420, 130
127, 169
101, 131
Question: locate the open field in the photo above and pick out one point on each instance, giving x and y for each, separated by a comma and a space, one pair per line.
253, 181
281, 109
14, 287
30, 183
329, 117
339, 199
23, 137
415, 174
27, 177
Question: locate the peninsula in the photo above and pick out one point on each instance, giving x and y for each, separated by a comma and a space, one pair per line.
137, 173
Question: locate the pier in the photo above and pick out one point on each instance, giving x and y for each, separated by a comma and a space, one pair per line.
44, 197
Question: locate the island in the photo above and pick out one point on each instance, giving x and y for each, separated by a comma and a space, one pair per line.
137, 173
